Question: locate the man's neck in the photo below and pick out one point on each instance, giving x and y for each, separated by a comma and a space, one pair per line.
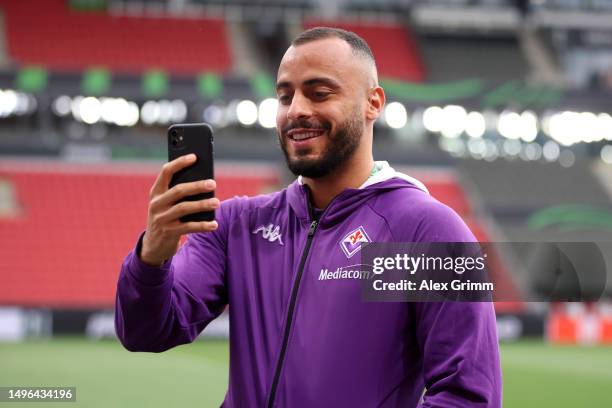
351, 174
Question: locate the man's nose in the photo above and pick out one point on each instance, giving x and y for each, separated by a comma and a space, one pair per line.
300, 107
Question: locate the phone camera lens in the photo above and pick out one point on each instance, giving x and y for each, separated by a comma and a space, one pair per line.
175, 137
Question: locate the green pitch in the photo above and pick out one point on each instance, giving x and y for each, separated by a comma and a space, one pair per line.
105, 375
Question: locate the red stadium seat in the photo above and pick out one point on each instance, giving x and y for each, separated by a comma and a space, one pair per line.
123, 44
76, 225
395, 50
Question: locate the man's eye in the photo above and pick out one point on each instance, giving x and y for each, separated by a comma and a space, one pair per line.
284, 99
320, 94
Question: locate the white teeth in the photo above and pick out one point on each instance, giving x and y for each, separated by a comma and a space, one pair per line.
304, 135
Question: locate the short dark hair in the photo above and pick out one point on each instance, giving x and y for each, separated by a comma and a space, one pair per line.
358, 44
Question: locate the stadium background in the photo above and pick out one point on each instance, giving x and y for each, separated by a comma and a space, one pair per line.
503, 108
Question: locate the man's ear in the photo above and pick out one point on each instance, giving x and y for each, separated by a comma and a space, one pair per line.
376, 102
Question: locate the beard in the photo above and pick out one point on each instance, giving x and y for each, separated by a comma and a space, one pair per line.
340, 147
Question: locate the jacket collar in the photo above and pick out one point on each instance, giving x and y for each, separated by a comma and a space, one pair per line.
349, 200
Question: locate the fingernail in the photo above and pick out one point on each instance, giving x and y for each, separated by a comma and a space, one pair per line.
190, 157
210, 184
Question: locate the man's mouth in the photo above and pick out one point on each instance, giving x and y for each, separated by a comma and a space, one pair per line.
301, 134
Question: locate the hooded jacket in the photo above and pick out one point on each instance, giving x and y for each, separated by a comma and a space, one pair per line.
301, 335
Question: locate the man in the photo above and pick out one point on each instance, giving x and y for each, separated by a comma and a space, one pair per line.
300, 338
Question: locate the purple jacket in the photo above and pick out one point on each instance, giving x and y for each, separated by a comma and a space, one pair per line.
299, 339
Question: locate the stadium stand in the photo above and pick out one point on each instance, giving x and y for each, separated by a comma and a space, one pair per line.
75, 223
402, 61
140, 43
48, 216
54, 229
544, 202
454, 58
519, 188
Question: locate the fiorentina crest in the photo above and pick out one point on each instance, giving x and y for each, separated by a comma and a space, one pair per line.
351, 243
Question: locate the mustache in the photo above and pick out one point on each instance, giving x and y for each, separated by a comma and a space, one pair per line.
304, 124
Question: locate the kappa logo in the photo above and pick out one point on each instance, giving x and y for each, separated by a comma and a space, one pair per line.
270, 232
351, 243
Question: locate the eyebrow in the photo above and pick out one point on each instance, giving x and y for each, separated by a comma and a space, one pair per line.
310, 82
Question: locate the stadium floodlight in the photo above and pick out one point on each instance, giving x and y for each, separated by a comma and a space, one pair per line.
32, 103
110, 109
445, 144
215, 115
531, 151
475, 125
545, 122
433, 118
149, 112
106, 109
90, 110
8, 103
491, 117
267, 113
459, 148
165, 112
509, 125
75, 107
127, 113
566, 128
589, 126
395, 115
122, 106
61, 106
598, 127
455, 147
416, 121
453, 121
551, 151
107, 106
179, 111
529, 126
23, 104
604, 125
511, 148
606, 154
477, 148
246, 112
5, 109
567, 158
131, 116
491, 152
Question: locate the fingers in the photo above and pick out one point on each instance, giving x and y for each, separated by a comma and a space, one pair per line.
168, 198
164, 228
168, 169
188, 207
194, 226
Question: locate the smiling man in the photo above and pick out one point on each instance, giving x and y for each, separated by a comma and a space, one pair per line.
288, 262
327, 106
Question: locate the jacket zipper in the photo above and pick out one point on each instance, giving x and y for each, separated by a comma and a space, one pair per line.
292, 302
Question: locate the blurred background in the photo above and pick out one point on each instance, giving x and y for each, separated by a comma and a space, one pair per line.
502, 108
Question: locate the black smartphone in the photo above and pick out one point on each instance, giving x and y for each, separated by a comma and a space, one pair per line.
196, 138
